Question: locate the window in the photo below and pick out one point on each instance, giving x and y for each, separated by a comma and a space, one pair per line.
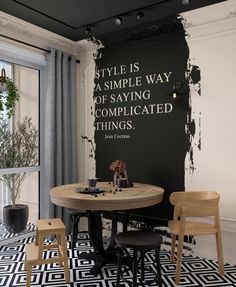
26, 79
8, 69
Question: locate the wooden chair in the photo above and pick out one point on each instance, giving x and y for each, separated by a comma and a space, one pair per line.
34, 252
194, 204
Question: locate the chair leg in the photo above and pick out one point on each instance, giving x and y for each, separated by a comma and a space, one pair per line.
158, 266
120, 257
135, 268
179, 258
220, 253
173, 241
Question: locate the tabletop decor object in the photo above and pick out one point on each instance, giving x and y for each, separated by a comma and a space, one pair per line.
119, 169
92, 181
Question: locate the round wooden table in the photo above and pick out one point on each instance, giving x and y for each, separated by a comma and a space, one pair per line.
109, 199
138, 196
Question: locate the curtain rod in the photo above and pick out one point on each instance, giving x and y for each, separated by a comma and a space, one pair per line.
30, 45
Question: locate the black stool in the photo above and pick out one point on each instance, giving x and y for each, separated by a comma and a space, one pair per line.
138, 242
75, 215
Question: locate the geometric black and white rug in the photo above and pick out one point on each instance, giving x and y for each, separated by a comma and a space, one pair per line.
195, 271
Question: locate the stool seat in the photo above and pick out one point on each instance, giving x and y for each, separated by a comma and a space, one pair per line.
139, 240
50, 225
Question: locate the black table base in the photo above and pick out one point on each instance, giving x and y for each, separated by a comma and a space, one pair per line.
100, 255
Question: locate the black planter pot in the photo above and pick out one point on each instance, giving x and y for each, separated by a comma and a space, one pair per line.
15, 218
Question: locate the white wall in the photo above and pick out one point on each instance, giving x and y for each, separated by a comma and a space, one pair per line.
212, 44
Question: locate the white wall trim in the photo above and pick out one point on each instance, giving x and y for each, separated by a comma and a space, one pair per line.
228, 225
210, 14
211, 20
21, 30
212, 30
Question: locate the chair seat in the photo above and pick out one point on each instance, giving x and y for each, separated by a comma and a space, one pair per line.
139, 239
192, 228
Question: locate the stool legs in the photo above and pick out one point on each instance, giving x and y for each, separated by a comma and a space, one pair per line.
59, 244
120, 257
28, 276
142, 265
64, 251
135, 261
135, 268
158, 266
28, 269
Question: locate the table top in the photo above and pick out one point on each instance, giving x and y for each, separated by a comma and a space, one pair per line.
138, 196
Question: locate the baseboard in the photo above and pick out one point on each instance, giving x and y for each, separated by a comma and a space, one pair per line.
206, 246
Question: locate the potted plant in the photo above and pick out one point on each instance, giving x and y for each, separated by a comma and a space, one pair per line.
18, 148
9, 94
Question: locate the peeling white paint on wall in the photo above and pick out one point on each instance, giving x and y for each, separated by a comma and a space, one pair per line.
214, 53
212, 45
87, 134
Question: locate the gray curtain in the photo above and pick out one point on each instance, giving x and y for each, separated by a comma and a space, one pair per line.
58, 152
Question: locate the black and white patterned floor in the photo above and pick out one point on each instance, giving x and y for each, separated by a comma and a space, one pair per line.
195, 271
7, 237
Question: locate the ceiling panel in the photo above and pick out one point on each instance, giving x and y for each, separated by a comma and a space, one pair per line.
76, 13
69, 18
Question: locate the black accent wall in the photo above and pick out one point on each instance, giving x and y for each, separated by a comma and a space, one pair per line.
137, 120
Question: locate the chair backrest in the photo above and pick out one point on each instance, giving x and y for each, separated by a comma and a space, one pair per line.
195, 203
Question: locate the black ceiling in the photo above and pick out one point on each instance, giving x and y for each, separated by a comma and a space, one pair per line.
69, 18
